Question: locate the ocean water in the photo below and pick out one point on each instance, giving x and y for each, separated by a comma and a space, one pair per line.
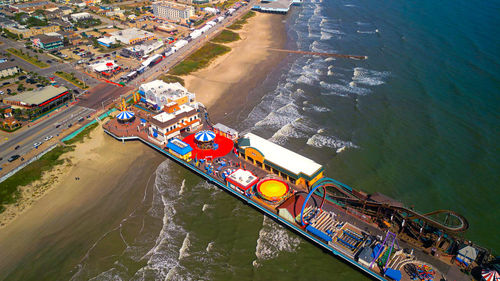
418, 120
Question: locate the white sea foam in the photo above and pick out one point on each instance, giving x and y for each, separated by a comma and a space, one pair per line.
342, 89
273, 239
349, 5
181, 190
366, 31
369, 77
183, 251
319, 140
205, 207
210, 246
329, 59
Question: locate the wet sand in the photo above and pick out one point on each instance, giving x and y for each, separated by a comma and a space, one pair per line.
225, 84
75, 213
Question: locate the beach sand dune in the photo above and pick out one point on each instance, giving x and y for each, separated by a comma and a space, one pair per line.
227, 81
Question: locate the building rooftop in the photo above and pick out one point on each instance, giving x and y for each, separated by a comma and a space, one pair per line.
243, 178
37, 96
45, 38
129, 34
281, 156
173, 5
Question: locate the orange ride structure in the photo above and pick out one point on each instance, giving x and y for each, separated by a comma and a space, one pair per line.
273, 190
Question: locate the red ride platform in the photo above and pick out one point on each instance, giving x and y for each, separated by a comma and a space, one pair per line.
225, 146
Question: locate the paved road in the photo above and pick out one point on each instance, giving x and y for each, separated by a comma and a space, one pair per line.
101, 95
165, 65
36, 133
49, 71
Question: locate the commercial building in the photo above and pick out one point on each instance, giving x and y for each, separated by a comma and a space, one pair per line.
161, 94
9, 122
276, 159
33, 31
47, 42
170, 123
107, 68
42, 99
30, 7
8, 69
129, 36
138, 51
242, 181
180, 149
172, 11
80, 16
179, 109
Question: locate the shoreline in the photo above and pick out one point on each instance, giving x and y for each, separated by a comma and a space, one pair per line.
229, 79
59, 201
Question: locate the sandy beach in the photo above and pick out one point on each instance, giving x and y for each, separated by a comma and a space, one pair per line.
112, 179
229, 79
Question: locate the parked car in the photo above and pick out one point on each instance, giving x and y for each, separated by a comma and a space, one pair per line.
49, 61
17, 147
37, 144
13, 157
47, 138
6, 83
106, 55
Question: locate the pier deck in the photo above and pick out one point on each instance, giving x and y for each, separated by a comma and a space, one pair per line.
354, 224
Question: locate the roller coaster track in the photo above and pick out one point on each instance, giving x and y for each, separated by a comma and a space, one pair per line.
410, 214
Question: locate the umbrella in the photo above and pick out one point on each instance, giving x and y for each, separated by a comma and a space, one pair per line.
490, 275
125, 115
204, 136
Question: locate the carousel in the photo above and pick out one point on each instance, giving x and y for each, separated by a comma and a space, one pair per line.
125, 116
205, 139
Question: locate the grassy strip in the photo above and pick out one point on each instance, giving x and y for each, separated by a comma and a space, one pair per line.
9, 189
70, 77
27, 58
82, 135
239, 23
226, 36
172, 79
199, 59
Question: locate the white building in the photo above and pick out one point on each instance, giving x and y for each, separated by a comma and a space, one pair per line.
80, 16
128, 36
172, 11
161, 93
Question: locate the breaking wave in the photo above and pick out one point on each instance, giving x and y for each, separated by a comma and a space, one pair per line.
274, 239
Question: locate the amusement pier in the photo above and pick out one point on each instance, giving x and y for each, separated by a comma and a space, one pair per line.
374, 233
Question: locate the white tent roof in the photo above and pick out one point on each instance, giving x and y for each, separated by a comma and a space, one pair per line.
468, 252
283, 157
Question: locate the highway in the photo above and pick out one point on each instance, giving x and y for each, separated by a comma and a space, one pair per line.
27, 136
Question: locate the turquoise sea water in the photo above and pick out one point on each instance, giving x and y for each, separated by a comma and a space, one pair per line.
418, 120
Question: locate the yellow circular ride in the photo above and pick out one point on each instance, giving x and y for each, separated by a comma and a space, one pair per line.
273, 190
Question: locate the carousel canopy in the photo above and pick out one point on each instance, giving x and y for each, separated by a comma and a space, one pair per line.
490, 275
125, 115
204, 136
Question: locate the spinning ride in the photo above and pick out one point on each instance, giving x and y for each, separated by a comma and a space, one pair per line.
205, 139
273, 190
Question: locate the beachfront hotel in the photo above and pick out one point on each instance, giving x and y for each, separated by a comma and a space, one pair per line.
172, 11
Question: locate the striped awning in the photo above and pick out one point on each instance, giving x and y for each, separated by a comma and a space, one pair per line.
204, 136
490, 275
125, 115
